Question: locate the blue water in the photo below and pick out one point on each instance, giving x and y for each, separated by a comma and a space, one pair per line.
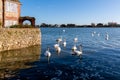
100, 59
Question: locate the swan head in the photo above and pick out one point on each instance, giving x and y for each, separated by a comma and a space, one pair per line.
75, 39
74, 48
64, 43
80, 45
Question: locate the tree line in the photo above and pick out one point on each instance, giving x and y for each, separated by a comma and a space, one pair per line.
110, 24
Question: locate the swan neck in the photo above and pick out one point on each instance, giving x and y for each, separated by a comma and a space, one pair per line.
80, 48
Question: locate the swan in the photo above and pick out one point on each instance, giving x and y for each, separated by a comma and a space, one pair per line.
75, 39
58, 49
59, 39
47, 54
74, 48
98, 34
92, 34
107, 36
64, 30
64, 43
78, 52
56, 45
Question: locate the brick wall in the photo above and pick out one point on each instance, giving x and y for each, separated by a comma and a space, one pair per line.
11, 16
0, 13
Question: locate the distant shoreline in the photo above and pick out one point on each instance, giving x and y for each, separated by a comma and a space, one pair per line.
92, 25
79, 27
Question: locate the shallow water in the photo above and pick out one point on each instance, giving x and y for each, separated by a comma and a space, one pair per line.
100, 59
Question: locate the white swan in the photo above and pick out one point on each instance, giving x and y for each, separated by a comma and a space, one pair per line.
56, 45
47, 54
78, 52
64, 30
64, 43
58, 49
98, 34
59, 39
76, 39
107, 36
74, 48
93, 34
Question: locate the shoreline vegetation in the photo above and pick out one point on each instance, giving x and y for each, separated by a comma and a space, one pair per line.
99, 25
63, 26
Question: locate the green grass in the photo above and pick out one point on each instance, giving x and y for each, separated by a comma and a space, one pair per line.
21, 26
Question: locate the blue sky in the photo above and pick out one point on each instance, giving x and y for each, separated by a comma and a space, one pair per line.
72, 11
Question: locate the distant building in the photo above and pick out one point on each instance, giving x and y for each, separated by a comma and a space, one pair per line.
112, 24
9, 12
93, 24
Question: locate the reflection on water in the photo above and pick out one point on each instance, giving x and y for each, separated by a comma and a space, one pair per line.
14, 60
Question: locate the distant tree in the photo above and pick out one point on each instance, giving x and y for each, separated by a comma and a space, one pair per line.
50, 25
56, 25
62, 25
89, 26
70, 25
118, 25
44, 25
100, 25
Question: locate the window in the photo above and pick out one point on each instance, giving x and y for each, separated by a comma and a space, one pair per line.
11, 7
7, 6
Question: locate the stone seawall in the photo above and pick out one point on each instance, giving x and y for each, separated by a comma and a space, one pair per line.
16, 38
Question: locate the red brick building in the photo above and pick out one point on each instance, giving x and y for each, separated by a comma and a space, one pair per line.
9, 12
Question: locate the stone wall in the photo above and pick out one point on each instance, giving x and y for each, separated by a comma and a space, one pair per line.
16, 38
